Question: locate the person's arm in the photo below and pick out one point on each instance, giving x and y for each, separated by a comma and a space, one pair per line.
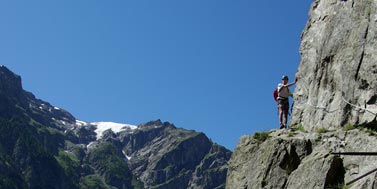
290, 84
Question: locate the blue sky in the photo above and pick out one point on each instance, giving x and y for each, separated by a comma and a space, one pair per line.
204, 65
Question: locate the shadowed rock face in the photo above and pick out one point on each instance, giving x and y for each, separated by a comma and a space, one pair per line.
10, 83
338, 65
336, 91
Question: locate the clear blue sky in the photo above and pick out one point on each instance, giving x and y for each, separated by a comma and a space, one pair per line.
205, 65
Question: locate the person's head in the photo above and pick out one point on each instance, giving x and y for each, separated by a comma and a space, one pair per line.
284, 79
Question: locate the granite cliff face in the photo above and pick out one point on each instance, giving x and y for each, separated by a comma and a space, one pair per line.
45, 147
335, 109
337, 74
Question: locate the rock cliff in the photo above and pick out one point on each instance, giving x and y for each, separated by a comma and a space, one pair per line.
337, 74
335, 109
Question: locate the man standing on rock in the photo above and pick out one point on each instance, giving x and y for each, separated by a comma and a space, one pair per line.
283, 101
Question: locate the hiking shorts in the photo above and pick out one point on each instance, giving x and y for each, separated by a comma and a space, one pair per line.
284, 103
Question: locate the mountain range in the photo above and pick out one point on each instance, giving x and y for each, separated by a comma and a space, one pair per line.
46, 147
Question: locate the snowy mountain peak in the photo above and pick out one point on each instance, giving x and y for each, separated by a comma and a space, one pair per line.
115, 127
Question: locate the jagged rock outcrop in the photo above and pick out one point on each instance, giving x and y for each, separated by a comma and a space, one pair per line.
155, 155
163, 156
338, 65
211, 168
44, 147
335, 109
291, 160
159, 156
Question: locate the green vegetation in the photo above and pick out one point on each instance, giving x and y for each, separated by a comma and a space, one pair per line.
30, 143
92, 182
136, 184
77, 151
68, 162
34, 123
318, 139
322, 130
295, 129
264, 183
349, 127
9, 178
342, 186
292, 134
298, 127
368, 127
371, 132
261, 137
113, 168
19, 107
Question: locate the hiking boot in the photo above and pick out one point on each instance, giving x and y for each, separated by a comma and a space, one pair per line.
282, 126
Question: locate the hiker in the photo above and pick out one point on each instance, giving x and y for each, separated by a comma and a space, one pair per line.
283, 101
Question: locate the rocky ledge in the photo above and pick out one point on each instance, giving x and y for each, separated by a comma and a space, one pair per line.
294, 158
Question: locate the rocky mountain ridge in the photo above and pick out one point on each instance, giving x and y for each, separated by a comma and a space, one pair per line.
44, 147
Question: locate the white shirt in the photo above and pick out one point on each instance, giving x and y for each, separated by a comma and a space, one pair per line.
283, 91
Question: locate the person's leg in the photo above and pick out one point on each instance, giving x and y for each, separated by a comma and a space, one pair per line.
281, 116
286, 109
285, 117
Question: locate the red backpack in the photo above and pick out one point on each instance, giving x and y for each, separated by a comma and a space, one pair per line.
276, 94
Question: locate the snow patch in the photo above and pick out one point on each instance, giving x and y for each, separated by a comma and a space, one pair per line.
115, 127
81, 123
125, 155
56, 108
89, 145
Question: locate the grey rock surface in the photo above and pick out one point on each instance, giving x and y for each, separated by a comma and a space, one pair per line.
163, 156
290, 160
337, 74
